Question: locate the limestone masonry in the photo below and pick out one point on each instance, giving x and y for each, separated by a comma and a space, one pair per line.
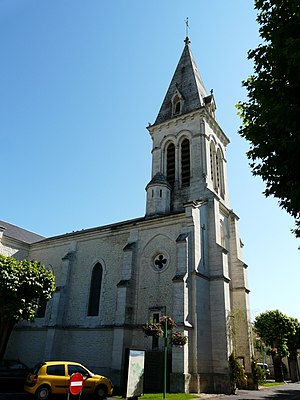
182, 259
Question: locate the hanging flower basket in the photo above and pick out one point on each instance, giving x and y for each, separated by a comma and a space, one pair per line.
152, 329
178, 339
171, 324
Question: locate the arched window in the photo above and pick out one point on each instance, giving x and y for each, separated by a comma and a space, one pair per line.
95, 290
185, 163
216, 170
177, 103
41, 310
224, 233
171, 164
213, 165
220, 173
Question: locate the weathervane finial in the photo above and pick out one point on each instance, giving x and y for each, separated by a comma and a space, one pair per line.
187, 40
187, 26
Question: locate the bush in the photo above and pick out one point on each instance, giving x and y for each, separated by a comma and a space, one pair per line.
257, 373
238, 378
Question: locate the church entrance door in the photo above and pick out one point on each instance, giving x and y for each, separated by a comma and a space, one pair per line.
153, 377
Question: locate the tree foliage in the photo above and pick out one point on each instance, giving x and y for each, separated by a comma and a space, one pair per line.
258, 374
22, 284
238, 378
280, 333
271, 116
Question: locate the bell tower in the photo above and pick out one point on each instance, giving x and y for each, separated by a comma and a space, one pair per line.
189, 178
188, 153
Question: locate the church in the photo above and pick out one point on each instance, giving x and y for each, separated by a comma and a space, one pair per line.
182, 259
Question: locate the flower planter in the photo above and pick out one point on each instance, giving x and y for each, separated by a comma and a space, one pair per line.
171, 324
152, 329
178, 339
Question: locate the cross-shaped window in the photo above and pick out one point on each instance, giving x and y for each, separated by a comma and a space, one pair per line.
160, 261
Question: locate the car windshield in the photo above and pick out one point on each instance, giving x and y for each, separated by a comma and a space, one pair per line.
36, 368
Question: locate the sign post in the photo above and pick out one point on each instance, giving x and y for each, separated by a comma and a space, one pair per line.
76, 384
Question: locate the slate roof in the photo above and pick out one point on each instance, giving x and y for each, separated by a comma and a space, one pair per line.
20, 234
188, 82
159, 178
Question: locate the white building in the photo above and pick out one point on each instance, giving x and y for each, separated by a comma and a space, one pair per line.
183, 259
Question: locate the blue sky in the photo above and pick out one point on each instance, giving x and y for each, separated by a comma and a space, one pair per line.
80, 80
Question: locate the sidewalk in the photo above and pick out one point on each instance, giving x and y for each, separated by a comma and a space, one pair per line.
289, 391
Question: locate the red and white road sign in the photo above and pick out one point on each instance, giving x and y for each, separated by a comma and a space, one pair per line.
76, 383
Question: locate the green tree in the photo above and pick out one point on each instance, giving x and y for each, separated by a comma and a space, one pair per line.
258, 374
271, 116
22, 284
293, 346
276, 330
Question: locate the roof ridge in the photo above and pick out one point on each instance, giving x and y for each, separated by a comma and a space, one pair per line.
21, 234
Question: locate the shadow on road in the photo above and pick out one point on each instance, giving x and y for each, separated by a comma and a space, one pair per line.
289, 391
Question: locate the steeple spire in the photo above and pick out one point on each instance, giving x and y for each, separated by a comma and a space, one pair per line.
186, 88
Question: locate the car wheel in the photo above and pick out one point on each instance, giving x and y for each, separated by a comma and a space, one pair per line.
101, 392
43, 393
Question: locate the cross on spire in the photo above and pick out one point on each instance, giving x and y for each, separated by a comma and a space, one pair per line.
187, 40
187, 27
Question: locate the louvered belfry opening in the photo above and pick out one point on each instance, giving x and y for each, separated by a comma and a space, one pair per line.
185, 163
171, 164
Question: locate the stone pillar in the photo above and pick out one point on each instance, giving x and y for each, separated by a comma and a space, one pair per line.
180, 293
124, 293
59, 302
124, 311
179, 378
240, 298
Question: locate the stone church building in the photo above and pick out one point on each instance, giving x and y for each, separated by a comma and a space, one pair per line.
182, 259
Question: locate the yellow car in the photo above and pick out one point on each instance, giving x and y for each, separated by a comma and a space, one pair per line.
53, 377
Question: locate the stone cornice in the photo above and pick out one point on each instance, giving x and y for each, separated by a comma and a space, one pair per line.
123, 283
179, 278
183, 118
240, 288
212, 277
220, 277
180, 119
116, 228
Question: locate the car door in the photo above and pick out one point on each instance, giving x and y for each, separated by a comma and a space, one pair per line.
88, 381
56, 375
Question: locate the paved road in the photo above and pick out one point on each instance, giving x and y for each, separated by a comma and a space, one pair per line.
23, 396
289, 391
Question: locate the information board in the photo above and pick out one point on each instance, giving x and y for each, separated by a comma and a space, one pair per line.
135, 377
